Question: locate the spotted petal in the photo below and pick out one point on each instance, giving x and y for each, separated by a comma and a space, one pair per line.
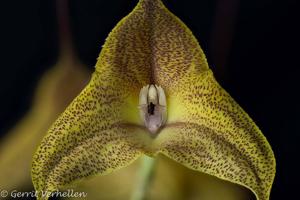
101, 131
212, 134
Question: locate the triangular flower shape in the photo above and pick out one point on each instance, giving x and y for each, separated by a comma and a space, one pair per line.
205, 129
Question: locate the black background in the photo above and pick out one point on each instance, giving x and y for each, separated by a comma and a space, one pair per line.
254, 54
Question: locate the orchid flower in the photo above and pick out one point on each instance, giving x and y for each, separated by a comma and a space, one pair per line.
153, 93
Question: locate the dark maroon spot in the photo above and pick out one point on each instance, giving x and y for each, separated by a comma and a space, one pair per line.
151, 107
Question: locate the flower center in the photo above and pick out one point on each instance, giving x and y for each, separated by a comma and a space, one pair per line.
153, 107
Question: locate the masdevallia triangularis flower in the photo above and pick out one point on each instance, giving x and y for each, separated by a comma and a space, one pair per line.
153, 93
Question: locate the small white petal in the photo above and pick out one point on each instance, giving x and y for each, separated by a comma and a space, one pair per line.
143, 96
152, 95
161, 96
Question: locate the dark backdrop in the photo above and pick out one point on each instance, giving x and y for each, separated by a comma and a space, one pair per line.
252, 46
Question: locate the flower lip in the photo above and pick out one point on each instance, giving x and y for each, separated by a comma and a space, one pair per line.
153, 108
